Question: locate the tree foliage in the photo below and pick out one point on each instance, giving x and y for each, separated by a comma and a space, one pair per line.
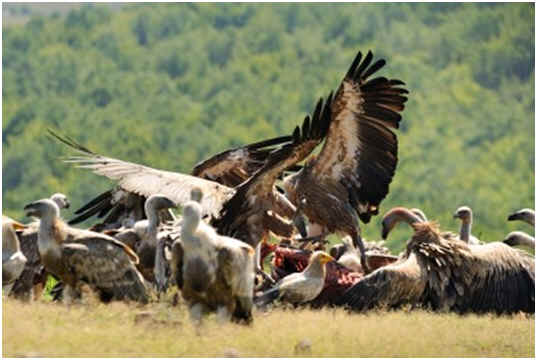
170, 84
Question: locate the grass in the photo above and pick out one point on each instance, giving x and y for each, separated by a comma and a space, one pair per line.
159, 329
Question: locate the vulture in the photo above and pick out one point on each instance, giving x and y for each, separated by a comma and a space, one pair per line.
444, 273
34, 277
465, 214
301, 287
352, 173
80, 256
526, 215
13, 260
519, 238
217, 272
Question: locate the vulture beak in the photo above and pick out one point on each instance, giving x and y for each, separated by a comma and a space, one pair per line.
67, 204
515, 216
456, 216
326, 259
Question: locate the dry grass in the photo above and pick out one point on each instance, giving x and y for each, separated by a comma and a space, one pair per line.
118, 329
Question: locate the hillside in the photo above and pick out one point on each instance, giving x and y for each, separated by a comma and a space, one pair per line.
168, 85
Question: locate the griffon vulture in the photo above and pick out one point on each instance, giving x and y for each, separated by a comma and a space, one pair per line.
33, 278
352, 173
80, 256
217, 271
445, 273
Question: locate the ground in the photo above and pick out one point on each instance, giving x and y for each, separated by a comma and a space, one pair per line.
91, 329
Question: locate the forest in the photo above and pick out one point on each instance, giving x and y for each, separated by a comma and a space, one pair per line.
168, 85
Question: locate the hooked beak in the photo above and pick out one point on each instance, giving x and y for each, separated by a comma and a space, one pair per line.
67, 204
514, 216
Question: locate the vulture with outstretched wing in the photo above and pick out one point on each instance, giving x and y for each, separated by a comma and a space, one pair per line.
351, 175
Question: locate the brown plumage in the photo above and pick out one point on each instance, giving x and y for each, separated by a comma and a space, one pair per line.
351, 175
81, 256
444, 273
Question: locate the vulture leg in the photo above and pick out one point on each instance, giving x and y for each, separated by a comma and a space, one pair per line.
259, 266
357, 241
160, 267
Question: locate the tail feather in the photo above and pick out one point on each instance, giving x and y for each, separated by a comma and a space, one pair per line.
267, 297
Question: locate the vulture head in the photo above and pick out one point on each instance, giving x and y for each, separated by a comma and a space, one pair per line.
515, 238
464, 213
396, 215
158, 202
61, 200
527, 215
44, 208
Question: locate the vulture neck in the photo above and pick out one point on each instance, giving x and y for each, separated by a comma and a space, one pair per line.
466, 230
315, 269
49, 236
152, 219
190, 225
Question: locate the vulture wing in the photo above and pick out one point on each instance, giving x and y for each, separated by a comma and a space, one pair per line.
106, 266
233, 167
146, 181
390, 286
244, 203
360, 149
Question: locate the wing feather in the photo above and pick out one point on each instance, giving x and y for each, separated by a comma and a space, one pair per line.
361, 149
234, 166
146, 181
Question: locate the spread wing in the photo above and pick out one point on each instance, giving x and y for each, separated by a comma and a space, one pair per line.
259, 188
233, 167
146, 181
360, 149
